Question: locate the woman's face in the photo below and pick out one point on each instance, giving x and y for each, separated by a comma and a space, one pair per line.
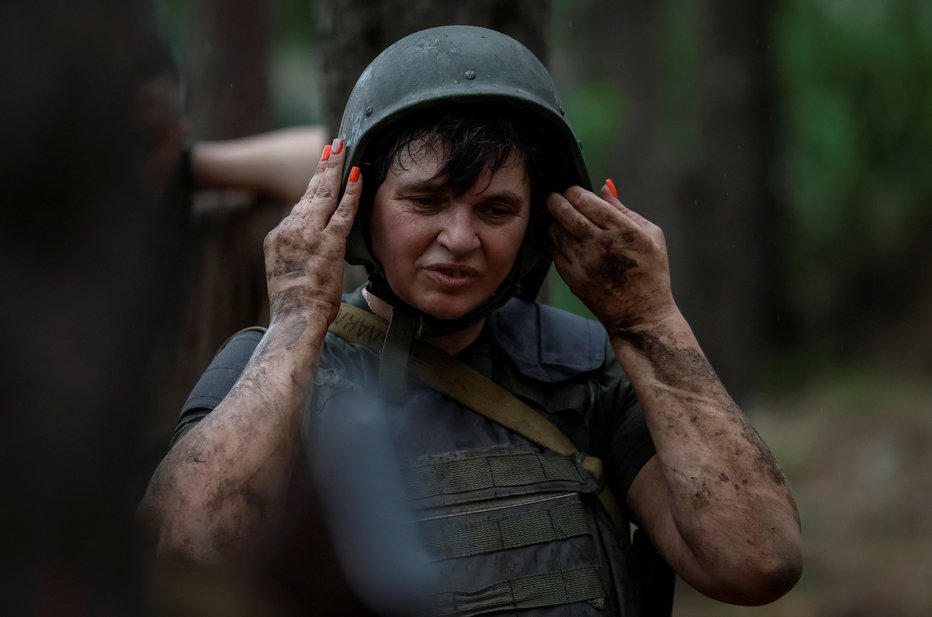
445, 254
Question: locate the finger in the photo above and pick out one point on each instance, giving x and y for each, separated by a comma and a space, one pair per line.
564, 255
342, 219
303, 203
319, 170
631, 214
610, 194
603, 215
560, 240
567, 252
330, 170
320, 200
568, 218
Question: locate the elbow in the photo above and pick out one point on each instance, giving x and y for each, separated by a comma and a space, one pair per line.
153, 520
772, 580
166, 527
188, 526
149, 517
762, 579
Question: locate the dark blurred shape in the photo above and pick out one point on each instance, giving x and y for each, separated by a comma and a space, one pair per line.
357, 477
696, 157
87, 262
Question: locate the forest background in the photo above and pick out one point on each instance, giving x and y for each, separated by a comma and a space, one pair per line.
783, 146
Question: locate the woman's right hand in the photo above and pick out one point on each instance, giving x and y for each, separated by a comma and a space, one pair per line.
304, 253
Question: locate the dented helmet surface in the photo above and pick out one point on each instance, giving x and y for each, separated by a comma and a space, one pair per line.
457, 65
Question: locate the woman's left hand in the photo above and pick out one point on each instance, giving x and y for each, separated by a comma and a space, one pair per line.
612, 258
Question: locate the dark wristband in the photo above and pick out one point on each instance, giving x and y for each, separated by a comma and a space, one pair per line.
186, 171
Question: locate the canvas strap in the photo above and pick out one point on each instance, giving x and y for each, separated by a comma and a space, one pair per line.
446, 375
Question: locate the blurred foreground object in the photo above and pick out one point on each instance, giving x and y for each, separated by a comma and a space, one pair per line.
84, 262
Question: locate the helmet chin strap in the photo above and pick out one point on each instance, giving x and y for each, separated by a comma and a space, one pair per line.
408, 323
427, 326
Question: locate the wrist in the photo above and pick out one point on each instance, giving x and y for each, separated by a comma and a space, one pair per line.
186, 174
669, 330
297, 305
661, 318
297, 340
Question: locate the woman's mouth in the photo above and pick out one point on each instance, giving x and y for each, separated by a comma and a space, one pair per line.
452, 276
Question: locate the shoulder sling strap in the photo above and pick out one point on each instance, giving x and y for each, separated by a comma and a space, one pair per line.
461, 383
448, 376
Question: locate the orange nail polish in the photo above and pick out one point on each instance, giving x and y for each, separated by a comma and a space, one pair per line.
354, 174
337, 146
611, 187
326, 155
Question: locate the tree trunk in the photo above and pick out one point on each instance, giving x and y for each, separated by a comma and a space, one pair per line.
87, 270
229, 68
353, 33
727, 202
695, 156
230, 97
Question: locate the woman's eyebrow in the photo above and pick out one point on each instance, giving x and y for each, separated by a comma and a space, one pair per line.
421, 185
436, 186
503, 196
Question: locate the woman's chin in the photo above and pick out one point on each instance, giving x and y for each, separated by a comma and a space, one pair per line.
447, 310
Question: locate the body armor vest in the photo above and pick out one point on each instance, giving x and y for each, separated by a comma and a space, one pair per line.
506, 524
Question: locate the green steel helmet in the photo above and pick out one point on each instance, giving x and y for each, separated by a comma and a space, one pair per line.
459, 65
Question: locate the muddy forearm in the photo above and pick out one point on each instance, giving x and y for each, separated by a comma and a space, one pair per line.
224, 482
724, 484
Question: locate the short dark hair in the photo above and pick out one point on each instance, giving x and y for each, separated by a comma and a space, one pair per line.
470, 138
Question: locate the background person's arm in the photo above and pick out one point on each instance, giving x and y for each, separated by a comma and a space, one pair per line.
278, 163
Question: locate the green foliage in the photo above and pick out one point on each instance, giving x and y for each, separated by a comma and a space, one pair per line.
597, 109
174, 21
293, 67
857, 85
296, 23
681, 58
854, 87
597, 112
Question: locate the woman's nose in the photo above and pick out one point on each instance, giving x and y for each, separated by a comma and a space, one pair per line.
459, 232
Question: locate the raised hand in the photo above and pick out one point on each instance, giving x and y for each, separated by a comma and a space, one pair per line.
304, 253
612, 258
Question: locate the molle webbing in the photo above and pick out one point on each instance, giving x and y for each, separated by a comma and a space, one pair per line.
548, 589
435, 478
565, 520
459, 382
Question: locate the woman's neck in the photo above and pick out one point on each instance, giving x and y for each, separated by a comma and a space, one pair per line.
452, 343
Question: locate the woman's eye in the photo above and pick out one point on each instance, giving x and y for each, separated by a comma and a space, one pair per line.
498, 212
424, 202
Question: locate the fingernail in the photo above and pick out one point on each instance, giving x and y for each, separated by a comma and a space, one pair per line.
354, 174
337, 145
326, 155
611, 187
